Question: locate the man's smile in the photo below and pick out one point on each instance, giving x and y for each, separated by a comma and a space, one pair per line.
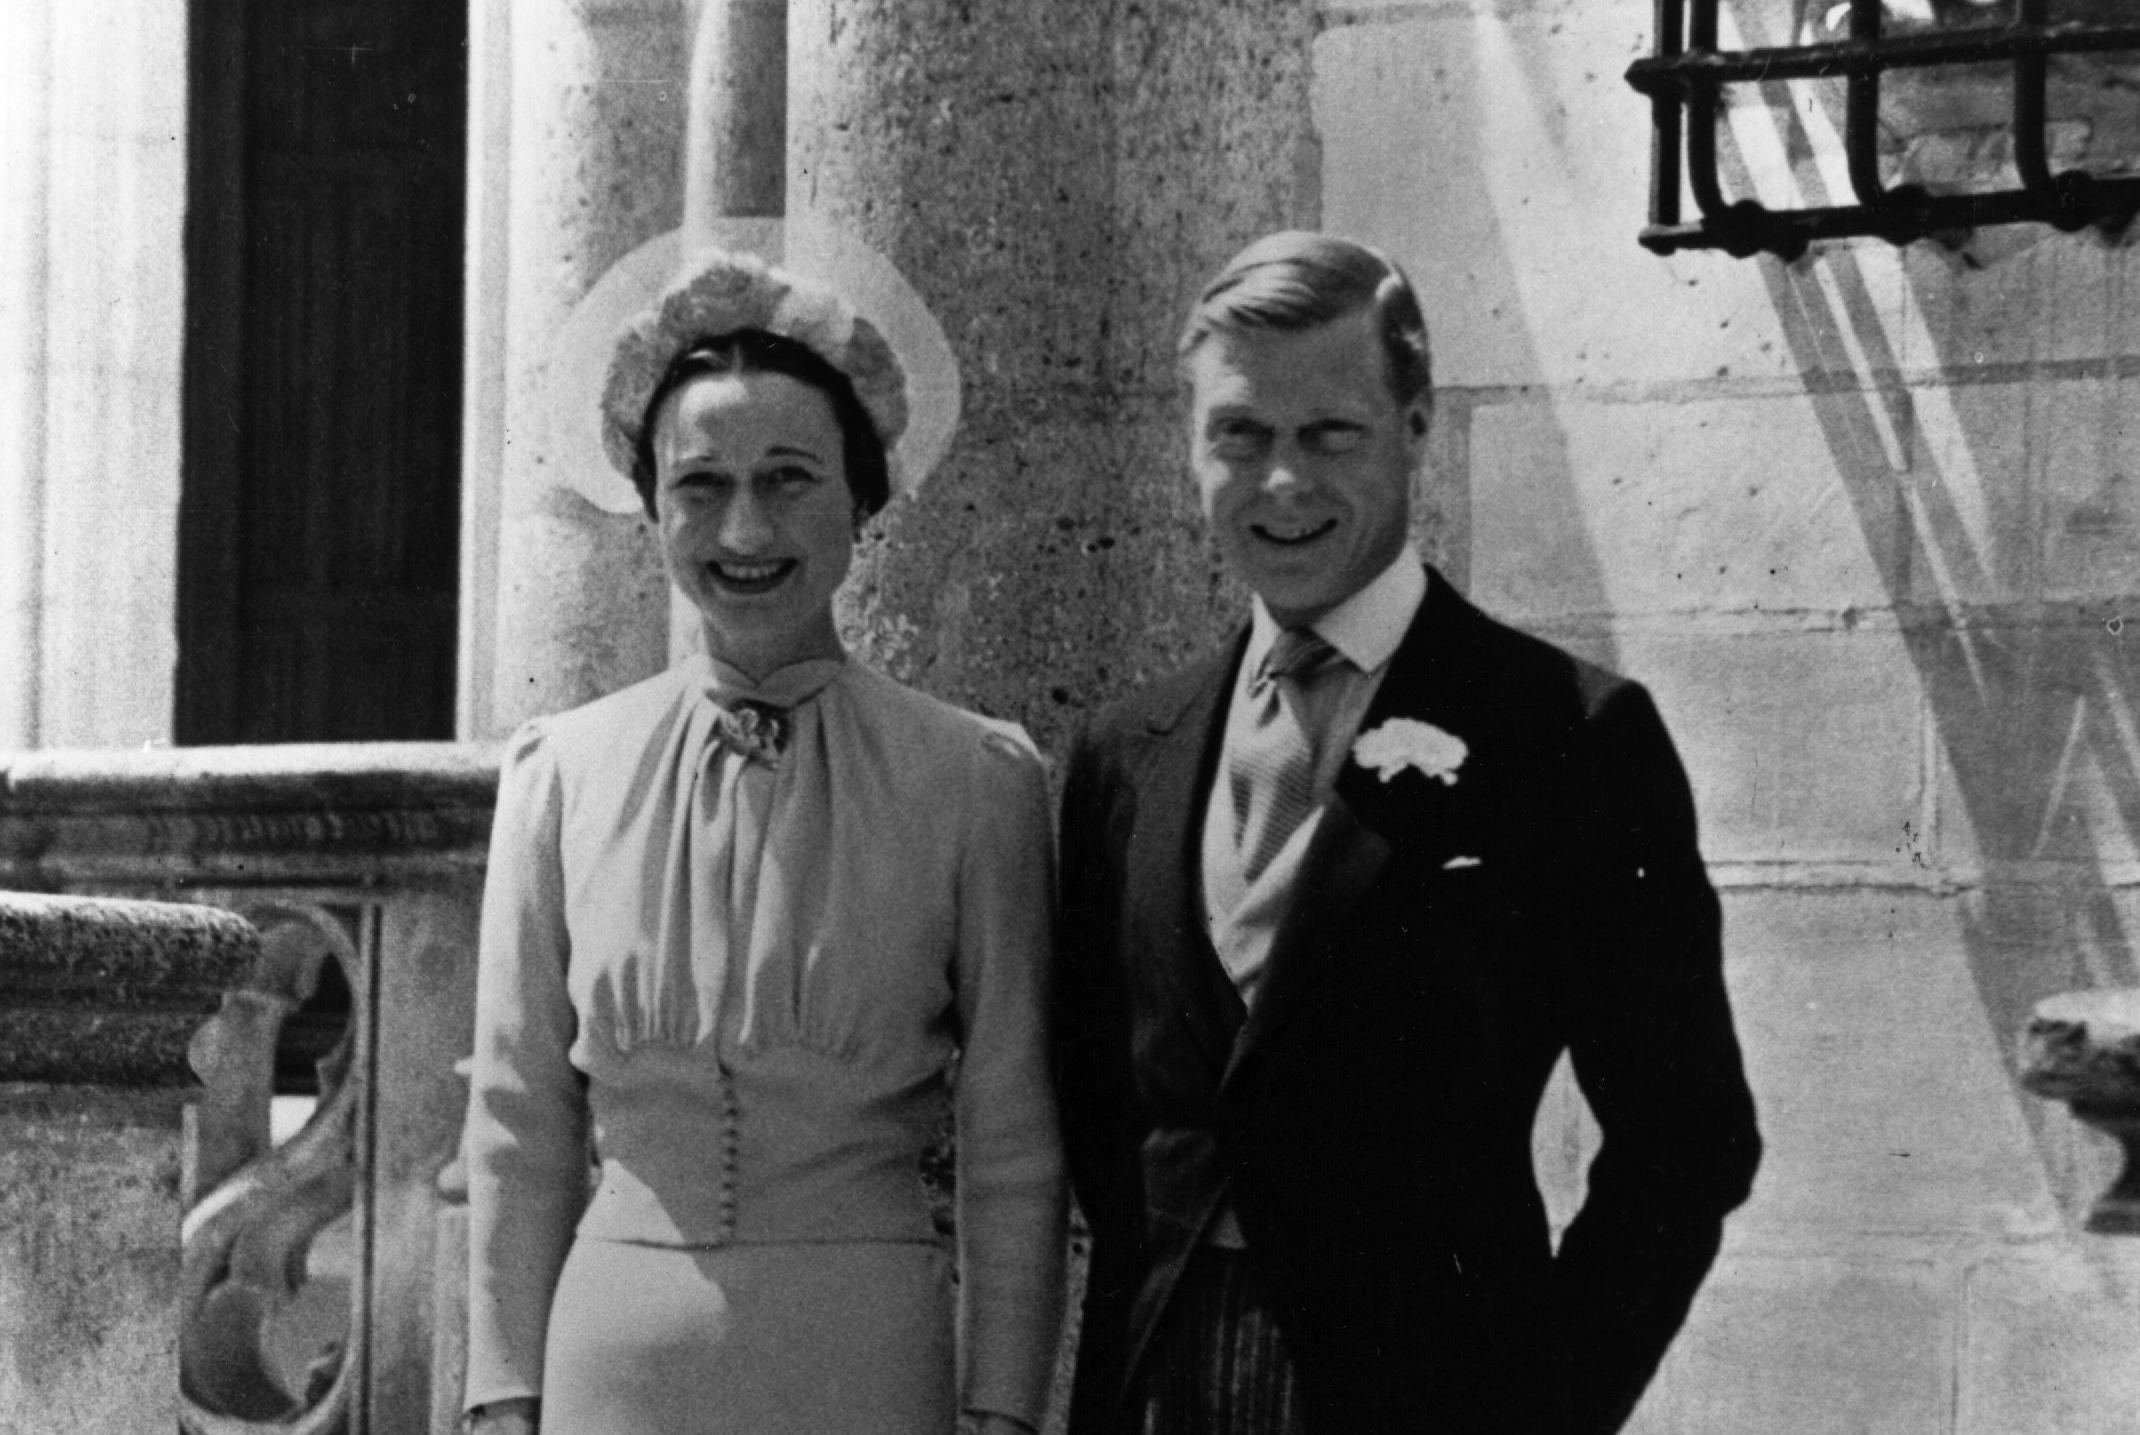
759, 577
1292, 534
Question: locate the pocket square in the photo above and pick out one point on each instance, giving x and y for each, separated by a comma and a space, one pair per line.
1458, 864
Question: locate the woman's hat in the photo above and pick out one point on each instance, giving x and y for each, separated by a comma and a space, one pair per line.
873, 327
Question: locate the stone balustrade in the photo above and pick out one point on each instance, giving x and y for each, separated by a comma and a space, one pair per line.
99, 1003
306, 1289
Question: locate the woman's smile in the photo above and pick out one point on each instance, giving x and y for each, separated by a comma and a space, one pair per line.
757, 520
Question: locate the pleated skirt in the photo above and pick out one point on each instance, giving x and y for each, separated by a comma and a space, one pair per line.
803, 1339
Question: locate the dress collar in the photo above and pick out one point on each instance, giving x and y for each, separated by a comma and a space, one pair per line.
784, 687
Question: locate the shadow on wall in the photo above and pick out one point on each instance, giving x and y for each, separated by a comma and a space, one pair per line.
1985, 476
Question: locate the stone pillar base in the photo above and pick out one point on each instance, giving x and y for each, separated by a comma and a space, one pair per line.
89, 1258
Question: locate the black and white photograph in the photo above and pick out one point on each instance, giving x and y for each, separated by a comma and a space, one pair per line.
1069, 717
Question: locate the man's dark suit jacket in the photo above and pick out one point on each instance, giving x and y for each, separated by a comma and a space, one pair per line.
1371, 1120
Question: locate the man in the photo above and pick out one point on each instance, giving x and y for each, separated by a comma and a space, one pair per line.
1335, 901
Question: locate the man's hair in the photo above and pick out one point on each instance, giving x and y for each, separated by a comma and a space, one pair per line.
1297, 279
754, 351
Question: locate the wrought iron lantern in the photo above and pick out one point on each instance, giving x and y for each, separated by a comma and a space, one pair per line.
1938, 117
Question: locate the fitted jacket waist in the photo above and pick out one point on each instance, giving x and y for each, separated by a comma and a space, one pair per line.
690, 1152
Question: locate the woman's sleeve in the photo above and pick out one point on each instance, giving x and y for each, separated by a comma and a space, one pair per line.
527, 1164
1011, 1199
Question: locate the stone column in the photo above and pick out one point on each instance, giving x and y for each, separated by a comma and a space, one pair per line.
735, 157
592, 171
99, 1001
25, 113
1056, 180
93, 150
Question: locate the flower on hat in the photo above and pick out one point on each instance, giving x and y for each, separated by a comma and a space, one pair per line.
1407, 742
721, 293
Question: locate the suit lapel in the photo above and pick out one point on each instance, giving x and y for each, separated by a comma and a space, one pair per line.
1183, 729
1366, 823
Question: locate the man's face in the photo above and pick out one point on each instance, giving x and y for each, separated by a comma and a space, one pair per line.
1303, 459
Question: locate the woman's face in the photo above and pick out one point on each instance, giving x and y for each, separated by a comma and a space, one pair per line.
757, 526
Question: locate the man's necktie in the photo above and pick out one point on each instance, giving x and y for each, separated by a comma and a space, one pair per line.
1272, 769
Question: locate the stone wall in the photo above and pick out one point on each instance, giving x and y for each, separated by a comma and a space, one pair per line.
1865, 524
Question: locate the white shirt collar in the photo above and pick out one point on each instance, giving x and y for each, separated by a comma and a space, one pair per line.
1367, 627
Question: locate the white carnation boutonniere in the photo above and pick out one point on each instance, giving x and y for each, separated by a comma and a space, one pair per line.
1406, 742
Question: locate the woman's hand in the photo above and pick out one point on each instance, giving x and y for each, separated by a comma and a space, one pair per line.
504, 1417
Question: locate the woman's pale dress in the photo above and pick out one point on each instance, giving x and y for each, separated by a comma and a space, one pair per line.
736, 990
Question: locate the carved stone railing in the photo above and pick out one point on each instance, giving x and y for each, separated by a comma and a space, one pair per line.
2083, 1048
365, 858
99, 1002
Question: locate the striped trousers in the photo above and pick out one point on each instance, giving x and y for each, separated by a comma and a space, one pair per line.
1218, 1365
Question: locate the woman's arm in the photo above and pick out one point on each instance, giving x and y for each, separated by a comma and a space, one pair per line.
527, 1164
1011, 1194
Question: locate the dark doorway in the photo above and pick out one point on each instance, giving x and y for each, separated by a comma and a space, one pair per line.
318, 525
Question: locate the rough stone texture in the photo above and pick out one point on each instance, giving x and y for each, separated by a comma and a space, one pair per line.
1803, 746
242, 813
99, 1002
110, 993
1639, 508
1055, 180
89, 1260
596, 170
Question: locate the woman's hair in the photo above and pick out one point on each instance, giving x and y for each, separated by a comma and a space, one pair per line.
755, 351
1299, 280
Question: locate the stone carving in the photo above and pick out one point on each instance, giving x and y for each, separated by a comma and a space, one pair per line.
247, 1238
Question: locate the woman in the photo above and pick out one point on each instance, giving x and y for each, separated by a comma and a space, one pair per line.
739, 918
